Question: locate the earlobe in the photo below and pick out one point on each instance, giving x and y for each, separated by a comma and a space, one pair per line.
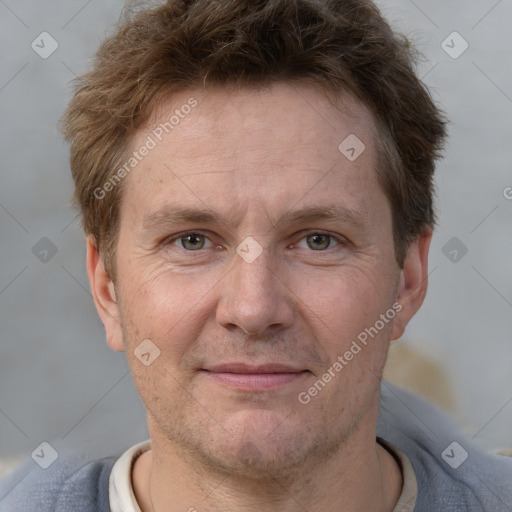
412, 286
104, 295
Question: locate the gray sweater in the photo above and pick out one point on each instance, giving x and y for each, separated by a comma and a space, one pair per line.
453, 475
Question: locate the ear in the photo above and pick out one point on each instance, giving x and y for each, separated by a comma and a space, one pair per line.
104, 296
413, 282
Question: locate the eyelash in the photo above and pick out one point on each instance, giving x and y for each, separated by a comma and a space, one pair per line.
179, 236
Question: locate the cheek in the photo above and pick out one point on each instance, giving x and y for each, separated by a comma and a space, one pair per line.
169, 308
345, 311
345, 302
163, 311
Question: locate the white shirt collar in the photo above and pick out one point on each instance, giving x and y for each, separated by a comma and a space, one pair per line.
121, 495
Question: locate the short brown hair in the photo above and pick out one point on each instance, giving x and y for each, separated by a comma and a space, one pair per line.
337, 45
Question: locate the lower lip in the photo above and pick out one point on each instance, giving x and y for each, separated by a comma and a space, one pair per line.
255, 381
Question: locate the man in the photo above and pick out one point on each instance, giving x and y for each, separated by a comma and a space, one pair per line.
255, 180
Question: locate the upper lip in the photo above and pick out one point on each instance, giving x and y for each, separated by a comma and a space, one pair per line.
247, 368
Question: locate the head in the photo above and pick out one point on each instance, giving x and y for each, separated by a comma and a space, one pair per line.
250, 112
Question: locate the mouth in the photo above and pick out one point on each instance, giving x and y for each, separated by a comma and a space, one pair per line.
246, 377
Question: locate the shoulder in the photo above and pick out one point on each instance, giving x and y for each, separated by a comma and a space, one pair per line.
452, 472
70, 483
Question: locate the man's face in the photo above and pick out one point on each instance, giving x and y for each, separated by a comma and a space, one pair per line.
221, 306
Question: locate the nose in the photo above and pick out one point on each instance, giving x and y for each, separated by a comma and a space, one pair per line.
255, 297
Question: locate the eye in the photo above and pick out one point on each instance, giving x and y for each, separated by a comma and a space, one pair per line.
190, 241
319, 241
193, 241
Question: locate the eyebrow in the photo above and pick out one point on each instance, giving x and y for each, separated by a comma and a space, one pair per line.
175, 215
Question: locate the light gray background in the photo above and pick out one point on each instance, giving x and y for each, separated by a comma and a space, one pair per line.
59, 381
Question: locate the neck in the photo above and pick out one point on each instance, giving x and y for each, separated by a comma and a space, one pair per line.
360, 476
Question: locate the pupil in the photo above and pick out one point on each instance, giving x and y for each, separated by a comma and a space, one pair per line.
317, 239
192, 240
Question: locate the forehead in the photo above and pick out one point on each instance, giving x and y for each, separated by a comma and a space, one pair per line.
274, 147
297, 114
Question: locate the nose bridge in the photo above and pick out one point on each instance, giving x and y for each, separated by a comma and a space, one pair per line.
254, 270
253, 298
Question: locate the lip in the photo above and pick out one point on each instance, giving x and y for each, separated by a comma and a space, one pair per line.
253, 369
246, 377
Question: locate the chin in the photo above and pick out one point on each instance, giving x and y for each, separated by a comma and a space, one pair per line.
259, 445
250, 441
255, 460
